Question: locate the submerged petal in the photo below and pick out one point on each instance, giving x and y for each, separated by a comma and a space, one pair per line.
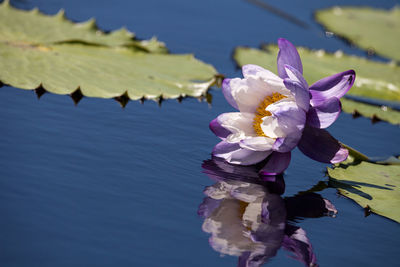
333, 86
234, 154
319, 145
287, 55
277, 164
322, 116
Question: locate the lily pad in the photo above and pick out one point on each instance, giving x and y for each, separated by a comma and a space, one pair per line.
34, 28
40, 51
375, 30
375, 113
373, 79
375, 187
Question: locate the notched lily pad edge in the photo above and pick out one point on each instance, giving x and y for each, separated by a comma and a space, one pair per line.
375, 118
370, 53
199, 89
91, 24
124, 99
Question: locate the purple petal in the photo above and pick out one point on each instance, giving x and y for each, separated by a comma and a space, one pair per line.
218, 130
227, 91
333, 86
234, 154
286, 144
295, 75
323, 115
291, 119
301, 93
319, 145
287, 55
277, 163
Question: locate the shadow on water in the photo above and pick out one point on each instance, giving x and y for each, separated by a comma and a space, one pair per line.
247, 217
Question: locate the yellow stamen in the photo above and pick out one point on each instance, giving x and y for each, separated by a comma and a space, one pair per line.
261, 112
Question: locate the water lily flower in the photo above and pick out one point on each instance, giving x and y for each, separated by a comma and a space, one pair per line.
278, 113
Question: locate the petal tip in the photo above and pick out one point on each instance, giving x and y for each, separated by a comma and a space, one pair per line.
218, 129
340, 156
227, 92
225, 83
287, 55
283, 41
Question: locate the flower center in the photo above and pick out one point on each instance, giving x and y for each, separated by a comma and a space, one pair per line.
261, 112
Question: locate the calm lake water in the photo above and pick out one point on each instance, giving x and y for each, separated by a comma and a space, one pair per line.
98, 185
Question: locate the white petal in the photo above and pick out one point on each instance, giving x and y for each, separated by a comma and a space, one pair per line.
250, 91
290, 118
234, 154
287, 120
271, 128
255, 71
239, 124
259, 143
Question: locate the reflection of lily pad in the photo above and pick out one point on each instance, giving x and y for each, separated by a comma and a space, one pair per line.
51, 52
371, 29
371, 185
373, 79
375, 113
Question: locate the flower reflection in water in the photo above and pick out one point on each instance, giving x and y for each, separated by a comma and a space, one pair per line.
247, 217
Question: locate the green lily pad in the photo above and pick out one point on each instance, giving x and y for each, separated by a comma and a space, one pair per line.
375, 30
373, 186
375, 113
35, 28
39, 51
373, 79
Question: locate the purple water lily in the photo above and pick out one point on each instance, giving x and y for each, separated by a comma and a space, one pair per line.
278, 113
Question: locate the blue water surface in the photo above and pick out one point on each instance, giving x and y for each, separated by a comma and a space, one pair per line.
98, 185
